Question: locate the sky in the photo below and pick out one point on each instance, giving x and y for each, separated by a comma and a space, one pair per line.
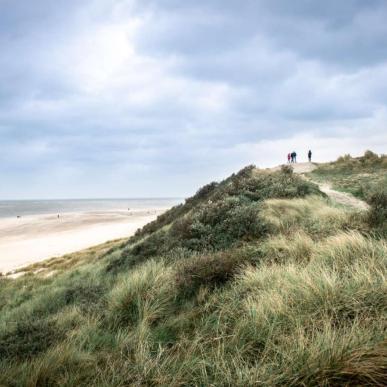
155, 98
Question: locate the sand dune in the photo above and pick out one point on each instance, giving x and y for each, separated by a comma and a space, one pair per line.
34, 238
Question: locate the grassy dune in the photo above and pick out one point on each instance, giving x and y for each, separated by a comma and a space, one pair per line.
257, 280
359, 176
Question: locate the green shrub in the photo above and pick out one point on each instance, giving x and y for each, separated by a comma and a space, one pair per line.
161, 221
153, 245
377, 215
218, 225
84, 295
249, 183
28, 338
344, 159
370, 155
203, 193
224, 214
287, 169
176, 212
378, 202
211, 270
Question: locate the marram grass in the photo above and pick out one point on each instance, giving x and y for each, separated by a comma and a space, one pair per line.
258, 280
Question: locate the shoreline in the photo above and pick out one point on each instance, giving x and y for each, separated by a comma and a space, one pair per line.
36, 238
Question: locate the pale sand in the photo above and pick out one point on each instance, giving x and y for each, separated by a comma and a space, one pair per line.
35, 238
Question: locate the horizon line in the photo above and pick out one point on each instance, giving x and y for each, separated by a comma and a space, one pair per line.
94, 198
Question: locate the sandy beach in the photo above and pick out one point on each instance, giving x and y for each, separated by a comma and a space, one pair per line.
34, 238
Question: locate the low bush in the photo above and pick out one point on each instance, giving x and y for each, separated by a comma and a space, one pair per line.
28, 338
176, 212
369, 155
287, 169
344, 159
225, 214
84, 295
218, 225
207, 270
153, 245
377, 215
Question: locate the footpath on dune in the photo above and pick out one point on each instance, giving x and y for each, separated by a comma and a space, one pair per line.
339, 197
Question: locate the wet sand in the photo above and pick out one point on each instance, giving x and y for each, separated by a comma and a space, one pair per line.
31, 239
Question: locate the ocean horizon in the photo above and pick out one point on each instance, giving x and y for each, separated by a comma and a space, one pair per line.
28, 207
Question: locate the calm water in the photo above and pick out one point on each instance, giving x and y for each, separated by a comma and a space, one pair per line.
13, 208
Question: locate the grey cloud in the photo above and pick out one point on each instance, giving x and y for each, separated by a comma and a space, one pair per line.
351, 32
203, 83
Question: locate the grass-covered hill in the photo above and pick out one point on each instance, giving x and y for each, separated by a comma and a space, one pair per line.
364, 177
360, 176
257, 280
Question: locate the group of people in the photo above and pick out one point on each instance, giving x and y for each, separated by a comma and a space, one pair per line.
292, 157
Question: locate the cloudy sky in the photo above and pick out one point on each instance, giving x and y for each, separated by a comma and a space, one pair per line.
134, 98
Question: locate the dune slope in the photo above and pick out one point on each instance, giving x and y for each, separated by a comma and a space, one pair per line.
258, 280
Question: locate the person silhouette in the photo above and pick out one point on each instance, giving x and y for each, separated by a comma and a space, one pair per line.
310, 156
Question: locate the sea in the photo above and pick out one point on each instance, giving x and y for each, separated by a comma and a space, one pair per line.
14, 208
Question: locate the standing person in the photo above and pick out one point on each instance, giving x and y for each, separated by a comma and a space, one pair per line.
295, 156
310, 156
289, 157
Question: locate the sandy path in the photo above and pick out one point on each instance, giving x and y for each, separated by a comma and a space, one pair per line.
297, 167
339, 197
36, 238
343, 197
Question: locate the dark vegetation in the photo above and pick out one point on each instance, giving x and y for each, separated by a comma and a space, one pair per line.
377, 218
256, 280
28, 338
224, 214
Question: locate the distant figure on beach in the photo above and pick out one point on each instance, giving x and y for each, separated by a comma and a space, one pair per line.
294, 157
18, 216
58, 216
310, 156
289, 157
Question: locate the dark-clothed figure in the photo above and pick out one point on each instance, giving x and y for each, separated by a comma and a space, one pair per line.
310, 156
294, 157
